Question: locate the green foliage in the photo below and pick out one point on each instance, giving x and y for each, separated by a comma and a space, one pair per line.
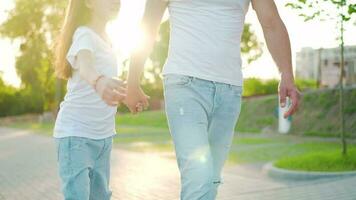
312, 9
15, 101
257, 114
303, 84
319, 113
251, 48
35, 23
257, 87
352, 9
160, 51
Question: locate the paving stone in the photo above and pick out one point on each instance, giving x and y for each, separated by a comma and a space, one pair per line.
28, 170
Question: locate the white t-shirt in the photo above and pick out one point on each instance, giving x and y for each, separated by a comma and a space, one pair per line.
205, 39
83, 113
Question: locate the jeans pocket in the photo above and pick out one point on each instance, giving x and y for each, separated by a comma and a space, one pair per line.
176, 79
76, 142
237, 90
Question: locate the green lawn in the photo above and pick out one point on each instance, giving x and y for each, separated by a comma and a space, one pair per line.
155, 119
148, 132
329, 160
42, 128
281, 147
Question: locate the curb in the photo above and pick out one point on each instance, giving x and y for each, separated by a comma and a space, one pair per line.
279, 173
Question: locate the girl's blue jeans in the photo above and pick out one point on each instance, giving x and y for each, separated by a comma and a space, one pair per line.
84, 167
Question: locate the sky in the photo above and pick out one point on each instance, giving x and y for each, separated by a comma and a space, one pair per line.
313, 34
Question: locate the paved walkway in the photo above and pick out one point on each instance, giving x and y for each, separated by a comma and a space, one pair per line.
28, 170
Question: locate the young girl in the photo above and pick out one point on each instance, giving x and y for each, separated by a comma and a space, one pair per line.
85, 123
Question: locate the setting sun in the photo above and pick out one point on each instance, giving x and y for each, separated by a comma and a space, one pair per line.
125, 41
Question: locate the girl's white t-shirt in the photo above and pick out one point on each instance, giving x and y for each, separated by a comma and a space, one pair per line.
82, 112
205, 39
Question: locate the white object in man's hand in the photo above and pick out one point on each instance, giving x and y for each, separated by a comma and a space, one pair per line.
287, 88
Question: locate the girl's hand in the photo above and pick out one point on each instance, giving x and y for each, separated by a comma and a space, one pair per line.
111, 90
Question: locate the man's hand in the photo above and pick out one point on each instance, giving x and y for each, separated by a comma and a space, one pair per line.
136, 100
111, 90
287, 88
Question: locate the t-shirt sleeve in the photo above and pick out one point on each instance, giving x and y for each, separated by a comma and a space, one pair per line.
82, 40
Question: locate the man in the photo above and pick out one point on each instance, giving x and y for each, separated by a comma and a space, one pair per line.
203, 80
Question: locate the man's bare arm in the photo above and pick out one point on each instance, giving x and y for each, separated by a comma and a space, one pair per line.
152, 18
151, 21
278, 44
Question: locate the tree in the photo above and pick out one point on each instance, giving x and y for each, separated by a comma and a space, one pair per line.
251, 48
35, 23
340, 11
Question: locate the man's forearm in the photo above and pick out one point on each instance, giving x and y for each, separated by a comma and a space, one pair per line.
136, 68
151, 21
139, 58
278, 44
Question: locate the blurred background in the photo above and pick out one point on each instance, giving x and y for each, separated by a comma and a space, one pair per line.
323, 42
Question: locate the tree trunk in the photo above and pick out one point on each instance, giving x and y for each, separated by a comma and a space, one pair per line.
318, 79
342, 63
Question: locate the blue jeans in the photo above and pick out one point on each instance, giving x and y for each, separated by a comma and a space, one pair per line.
202, 116
84, 167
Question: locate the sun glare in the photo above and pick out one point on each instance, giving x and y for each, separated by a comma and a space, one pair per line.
125, 31
125, 37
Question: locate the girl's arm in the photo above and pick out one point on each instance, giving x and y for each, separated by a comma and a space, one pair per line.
151, 21
111, 90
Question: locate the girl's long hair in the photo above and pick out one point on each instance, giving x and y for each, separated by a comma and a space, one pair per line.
77, 14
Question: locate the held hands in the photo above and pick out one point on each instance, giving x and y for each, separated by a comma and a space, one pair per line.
136, 100
111, 90
287, 88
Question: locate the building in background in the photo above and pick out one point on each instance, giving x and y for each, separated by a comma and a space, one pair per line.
323, 65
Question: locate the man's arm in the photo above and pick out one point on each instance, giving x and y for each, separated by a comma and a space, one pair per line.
278, 44
151, 21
